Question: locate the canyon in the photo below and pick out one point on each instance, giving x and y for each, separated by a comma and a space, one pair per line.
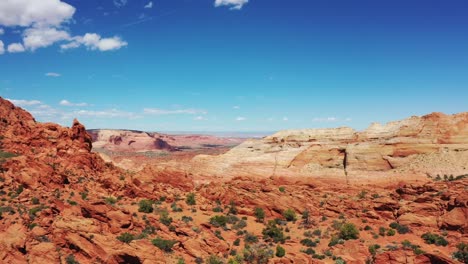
394, 193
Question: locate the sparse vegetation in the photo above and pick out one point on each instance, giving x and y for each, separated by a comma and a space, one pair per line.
164, 218
145, 206
259, 214
70, 259
435, 239
289, 215
273, 233
218, 221
190, 200
348, 231
280, 251
110, 200
126, 237
462, 252
163, 244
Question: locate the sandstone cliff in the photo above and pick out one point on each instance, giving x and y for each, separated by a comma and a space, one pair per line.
410, 146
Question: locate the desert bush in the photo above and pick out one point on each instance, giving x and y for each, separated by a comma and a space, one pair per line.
163, 244
259, 214
35, 200
289, 215
401, 229
258, 253
349, 231
430, 238
250, 238
391, 232
373, 249
273, 232
308, 242
110, 200
126, 237
190, 200
145, 206
70, 259
164, 218
218, 221
186, 219
232, 208
462, 252
280, 252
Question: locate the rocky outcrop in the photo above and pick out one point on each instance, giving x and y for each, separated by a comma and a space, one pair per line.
410, 146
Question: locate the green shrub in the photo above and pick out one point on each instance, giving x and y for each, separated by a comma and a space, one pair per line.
126, 237
213, 259
236, 242
232, 208
391, 232
259, 214
239, 225
187, 219
163, 244
289, 215
282, 189
430, 238
280, 252
373, 249
110, 200
145, 206
164, 218
308, 242
190, 200
258, 253
70, 259
218, 221
273, 232
349, 231
401, 229
250, 238
462, 253
382, 231
34, 200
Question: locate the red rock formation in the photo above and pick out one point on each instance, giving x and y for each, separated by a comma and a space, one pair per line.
61, 202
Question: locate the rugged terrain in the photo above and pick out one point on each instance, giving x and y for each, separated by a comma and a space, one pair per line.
130, 149
62, 203
418, 147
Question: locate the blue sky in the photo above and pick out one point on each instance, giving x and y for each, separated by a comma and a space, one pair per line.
233, 65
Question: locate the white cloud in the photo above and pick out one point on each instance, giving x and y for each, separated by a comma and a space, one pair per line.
199, 118
190, 111
42, 23
236, 107
24, 102
2, 47
285, 119
2, 31
15, 48
112, 113
325, 119
42, 37
68, 103
234, 4
26, 13
53, 74
149, 5
120, 3
240, 118
94, 41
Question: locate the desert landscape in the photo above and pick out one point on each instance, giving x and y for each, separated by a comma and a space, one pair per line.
233, 132
394, 193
